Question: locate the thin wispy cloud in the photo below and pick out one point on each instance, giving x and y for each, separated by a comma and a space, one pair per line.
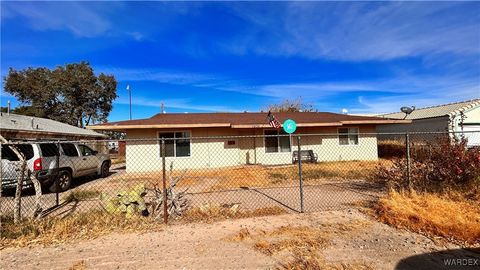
177, 104
357, 31
80, 19
158, 75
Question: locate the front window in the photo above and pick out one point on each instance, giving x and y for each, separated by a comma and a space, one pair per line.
275, 143
177, 144
86, 151
348, 136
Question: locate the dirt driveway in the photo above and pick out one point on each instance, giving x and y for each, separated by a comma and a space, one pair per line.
207, 246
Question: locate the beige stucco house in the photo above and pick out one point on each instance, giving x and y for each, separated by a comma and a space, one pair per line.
212, 140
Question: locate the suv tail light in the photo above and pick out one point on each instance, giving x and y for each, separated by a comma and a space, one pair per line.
37, 164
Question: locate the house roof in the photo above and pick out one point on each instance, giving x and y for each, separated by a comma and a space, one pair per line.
436, 111
16, 122
241, 120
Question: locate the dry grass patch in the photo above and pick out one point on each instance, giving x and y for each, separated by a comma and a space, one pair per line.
432, 214
79, 226
315, 262
263, 176
291, 238
212, 213
302, 243
82, 195
259, 176
80, 265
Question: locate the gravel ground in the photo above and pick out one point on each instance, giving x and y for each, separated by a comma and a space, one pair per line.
204, 246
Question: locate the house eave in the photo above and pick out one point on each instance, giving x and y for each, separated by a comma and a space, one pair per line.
244, 126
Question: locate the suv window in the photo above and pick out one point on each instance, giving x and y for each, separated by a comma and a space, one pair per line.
48, 149
86, 151
8, 154
26, 149
69, 149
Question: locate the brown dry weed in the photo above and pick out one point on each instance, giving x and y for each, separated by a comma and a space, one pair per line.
301, 242
212, 213
88, 225
432, 214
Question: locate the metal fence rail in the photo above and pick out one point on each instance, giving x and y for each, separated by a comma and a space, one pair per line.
297, 173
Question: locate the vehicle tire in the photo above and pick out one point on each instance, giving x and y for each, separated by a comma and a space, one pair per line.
105, 169
64, 182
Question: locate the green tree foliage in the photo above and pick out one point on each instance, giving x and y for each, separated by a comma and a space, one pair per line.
71, 94
293, 105
23, 110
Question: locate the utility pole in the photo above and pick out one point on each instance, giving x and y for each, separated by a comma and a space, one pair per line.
130, 98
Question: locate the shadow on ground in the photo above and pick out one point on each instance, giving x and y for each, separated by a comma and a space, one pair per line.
466, 258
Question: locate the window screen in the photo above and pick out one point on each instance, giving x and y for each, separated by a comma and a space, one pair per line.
182, 142
271, 143
177, 144
348, 136
169, 143
277, 143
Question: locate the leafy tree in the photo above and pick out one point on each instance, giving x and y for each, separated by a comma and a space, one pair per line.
294, 105
71, 94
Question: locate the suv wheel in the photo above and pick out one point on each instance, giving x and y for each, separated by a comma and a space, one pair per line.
64, 182
105, 169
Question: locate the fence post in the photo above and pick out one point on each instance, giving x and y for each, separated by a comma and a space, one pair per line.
164, 180
300, 174
407, 145
57, 169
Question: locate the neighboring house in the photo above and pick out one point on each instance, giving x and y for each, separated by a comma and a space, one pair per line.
204, 140
20, 127
454, 117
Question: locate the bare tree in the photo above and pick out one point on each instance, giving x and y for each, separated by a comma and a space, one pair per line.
291, 105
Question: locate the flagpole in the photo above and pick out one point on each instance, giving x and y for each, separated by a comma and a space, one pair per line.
130, 98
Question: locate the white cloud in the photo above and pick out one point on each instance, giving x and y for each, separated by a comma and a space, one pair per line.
179, 104
358, 31
76, 17
158, 75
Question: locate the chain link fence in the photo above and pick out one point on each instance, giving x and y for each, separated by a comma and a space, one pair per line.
297, 173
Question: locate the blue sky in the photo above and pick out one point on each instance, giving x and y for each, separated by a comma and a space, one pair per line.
366, 57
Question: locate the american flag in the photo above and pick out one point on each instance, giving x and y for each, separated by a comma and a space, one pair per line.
273, 121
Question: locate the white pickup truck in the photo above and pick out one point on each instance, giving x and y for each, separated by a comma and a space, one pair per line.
74, 160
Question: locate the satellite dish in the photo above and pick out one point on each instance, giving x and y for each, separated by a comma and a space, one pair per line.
344, 111
407, 110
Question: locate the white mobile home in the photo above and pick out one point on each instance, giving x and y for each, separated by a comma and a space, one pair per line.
460, 117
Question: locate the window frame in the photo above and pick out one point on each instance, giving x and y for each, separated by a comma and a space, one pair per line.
348, 134
175, 142
289, 136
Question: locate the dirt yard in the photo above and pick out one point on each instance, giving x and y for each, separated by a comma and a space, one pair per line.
348, 237
327, 186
